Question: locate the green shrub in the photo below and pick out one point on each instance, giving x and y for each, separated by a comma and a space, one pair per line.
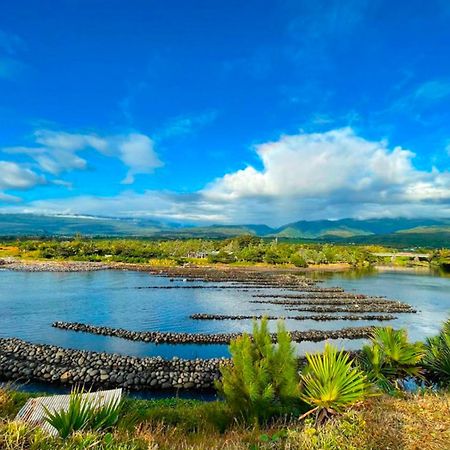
262, 377
331, 383
298, 260
437, 355
390, 358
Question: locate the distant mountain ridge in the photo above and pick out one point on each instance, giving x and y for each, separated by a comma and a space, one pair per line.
344, 230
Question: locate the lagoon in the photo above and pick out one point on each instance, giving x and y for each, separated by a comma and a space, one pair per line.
31, 301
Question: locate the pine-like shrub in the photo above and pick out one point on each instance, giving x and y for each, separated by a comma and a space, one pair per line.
262, 377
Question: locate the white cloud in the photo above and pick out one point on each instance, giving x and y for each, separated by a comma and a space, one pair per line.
57, 151
305, 176
14, 176
317, 165
137, 152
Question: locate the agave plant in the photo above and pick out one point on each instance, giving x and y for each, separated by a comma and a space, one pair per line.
105, 416
390, 358
83, 414
75, 418
437, 355
331, 383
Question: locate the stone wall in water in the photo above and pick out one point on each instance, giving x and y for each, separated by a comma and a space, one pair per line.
22, 362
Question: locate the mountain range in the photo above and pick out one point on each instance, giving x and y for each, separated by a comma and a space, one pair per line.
400, 231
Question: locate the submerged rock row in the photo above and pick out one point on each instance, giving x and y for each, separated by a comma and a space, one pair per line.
334, 301
320, 295
216, 338
22, 361
276, 276
355, 308
321, 317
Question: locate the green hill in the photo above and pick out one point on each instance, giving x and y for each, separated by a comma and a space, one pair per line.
405, 232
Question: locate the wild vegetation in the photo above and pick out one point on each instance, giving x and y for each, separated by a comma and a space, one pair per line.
242, 250
266, 404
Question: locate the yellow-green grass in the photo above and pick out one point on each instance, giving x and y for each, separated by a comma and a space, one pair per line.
411, 422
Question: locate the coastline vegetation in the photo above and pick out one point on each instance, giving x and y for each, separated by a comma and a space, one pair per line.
336, 402
238, 251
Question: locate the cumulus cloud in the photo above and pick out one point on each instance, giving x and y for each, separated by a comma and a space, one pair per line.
58, 151
334, 174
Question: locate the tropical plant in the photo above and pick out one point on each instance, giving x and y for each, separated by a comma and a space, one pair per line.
75, 418
437, 355
390, 358
262, 376
331, 383
105, 416
83, 414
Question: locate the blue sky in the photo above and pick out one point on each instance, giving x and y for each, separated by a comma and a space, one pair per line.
225, 111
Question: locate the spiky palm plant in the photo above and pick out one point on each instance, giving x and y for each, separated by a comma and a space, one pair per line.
390, 358
331, 383
437, 355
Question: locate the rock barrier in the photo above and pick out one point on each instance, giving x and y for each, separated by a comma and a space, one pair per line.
369, 301
319, 318
159, 337
23, 362
320, 295
356, 308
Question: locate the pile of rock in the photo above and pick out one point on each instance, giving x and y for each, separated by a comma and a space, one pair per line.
317, 317
215, 338
22, 361
54, 266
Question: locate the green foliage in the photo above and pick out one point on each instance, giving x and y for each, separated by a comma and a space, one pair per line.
331, 383
298, 260
83, 414
437, 355
74, 419
242, 249
263, 376
105, 416
390, 358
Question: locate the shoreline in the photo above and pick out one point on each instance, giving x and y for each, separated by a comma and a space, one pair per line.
25, 265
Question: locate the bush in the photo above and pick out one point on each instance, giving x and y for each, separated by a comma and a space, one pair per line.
298, 260
390, 358
262, 377
331, 383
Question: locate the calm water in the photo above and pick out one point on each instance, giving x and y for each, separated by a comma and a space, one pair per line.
30, 302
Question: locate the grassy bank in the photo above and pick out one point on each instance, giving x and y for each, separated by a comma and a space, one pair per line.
420, 421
